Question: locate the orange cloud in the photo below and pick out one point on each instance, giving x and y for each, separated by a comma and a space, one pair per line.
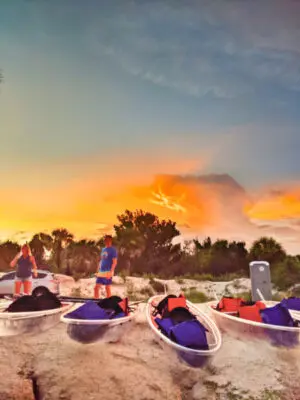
283, 204
80, 195
85, 197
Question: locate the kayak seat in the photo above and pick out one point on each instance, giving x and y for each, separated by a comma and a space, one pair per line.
179, 324
111, 303
25, 303
115, 304
181, 314
278, 315
292, 303
41, 299
162, 306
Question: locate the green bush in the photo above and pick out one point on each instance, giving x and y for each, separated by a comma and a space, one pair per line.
196, 296
147, 291
286, 274
157, 286
76, 292
244, 295
209, 277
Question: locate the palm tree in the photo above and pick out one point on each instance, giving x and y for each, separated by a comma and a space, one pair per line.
267, 249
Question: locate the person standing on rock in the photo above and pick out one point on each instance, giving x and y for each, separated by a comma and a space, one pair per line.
25, 264
106, 268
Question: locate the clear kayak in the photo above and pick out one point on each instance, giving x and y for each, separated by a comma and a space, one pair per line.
196, 358
244, 329
29, 323
87, 331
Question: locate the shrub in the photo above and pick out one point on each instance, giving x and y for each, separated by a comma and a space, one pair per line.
245, 295
76, 292
286, 273
196, 296
147, 291
157, 286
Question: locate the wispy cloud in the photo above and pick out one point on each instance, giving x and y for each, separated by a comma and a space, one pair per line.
221, 49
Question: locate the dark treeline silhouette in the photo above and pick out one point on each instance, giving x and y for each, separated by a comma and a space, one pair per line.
146, 246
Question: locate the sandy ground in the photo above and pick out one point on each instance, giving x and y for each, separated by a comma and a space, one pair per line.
138, 368
120, 287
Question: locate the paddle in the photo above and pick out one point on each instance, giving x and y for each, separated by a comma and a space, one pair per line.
85, 299
260, 294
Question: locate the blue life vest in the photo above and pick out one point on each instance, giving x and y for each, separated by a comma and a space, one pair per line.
190, 333
278, 315
90, 310
292, 303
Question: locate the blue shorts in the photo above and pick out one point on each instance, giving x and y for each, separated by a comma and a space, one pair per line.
104, 281
27, 279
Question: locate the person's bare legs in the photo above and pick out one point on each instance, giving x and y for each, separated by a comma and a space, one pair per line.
27, 287
97, 291
108, 290
17, 288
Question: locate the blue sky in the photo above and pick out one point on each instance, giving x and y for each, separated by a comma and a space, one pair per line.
140, 73
83, 80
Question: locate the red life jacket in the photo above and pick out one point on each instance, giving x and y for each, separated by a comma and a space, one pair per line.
124, 305
176, 302
251, 312
229, 304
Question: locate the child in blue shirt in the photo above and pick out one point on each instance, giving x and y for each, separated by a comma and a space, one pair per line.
106, 268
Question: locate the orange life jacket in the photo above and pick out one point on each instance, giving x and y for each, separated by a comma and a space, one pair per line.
176, 302
229, 304
251, 313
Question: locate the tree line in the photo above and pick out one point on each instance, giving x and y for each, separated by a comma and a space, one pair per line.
145, 245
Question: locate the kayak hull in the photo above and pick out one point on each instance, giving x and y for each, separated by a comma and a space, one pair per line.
91, 331
29, 323
191, 357
242, 329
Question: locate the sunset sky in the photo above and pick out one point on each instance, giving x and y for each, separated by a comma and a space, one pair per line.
103, 101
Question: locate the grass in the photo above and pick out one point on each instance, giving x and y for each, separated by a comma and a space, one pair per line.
232, 393
196, 296
76, 292
135, 295
209, 277
130, 291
